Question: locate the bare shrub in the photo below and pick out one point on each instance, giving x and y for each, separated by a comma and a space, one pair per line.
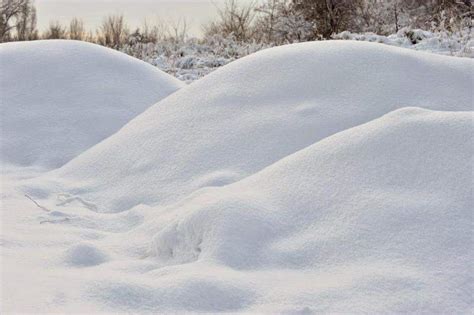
113, 32
77, 30
55, 31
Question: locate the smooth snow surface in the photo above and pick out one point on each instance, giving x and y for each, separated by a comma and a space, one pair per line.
59, 98
256, 111
329, 177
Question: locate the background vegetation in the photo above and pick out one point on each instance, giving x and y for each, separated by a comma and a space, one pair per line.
242, 28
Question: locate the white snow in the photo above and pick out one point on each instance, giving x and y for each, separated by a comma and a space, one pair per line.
59, 98
241, 119
375, 217
329, 177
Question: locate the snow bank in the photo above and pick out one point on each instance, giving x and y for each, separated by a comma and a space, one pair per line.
254, 112
61, 97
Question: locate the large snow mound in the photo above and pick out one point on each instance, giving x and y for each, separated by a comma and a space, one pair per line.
255, 111
380, 211
58, 98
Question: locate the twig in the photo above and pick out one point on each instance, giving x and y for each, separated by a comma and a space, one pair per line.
55, 221
37, 204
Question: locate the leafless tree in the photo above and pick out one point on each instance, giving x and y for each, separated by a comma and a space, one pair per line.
234, 19
178, 30
26, 23
17, 20
327, 16
269, 12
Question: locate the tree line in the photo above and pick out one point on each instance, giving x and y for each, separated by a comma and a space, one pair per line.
261, 21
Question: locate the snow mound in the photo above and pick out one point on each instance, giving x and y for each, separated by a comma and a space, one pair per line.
373, 219
58, 98
314, 178
255, 111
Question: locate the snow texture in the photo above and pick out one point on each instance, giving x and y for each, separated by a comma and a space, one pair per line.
330, 177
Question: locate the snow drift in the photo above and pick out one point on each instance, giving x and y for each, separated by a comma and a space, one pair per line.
257, 110
375, 217
325, 177
62, 97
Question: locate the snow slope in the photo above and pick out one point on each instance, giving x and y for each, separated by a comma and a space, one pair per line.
255, 111
374, 219
58, 98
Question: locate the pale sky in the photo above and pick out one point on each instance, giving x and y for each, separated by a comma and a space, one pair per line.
196, 12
